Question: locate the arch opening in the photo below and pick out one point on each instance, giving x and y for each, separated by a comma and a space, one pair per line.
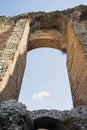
45, 84
48, 123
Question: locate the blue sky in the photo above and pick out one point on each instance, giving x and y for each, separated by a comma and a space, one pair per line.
45, 83
14, 7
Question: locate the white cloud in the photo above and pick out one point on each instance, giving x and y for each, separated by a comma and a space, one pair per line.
40, 95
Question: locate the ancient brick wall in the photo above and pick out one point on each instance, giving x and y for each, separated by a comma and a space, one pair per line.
76, 65
57, 30
13, 61
33, 30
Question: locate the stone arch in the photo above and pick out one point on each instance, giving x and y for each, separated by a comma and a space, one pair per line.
72, 44
75, 49
47, 38
48, 123
60, 34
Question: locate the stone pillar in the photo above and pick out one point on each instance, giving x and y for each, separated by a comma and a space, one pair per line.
13, 61
77, 64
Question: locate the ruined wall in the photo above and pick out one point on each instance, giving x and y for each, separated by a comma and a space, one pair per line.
22, 33
13, 61
14, 116
77, 64
70, 36
63, 30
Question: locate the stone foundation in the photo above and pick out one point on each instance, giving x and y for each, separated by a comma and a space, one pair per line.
14, 116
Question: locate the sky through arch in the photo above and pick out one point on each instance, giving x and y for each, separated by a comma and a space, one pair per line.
45, 84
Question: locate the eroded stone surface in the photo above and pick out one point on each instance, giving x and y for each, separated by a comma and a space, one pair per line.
12, 61
65, 30
47, 38
11, 47
81, 32
14, 116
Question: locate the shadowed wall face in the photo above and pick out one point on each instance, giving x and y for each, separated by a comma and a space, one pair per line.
48, 123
